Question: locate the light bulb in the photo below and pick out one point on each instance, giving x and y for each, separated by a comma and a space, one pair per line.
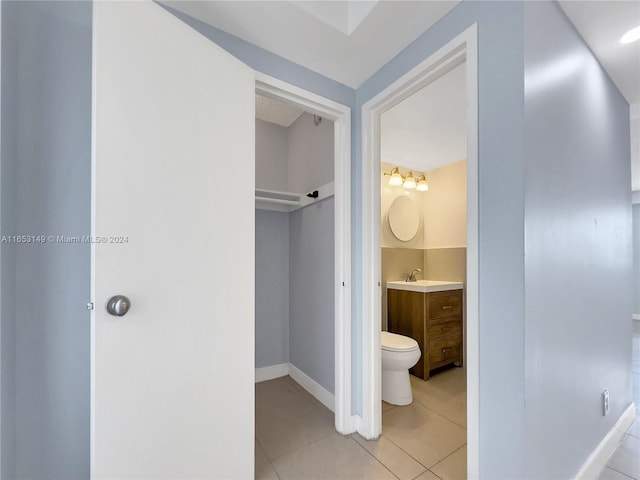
423, 186
409, 181
395, 179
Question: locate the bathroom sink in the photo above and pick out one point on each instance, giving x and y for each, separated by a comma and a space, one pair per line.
425, 285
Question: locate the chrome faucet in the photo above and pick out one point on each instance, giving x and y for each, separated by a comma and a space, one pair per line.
412, 276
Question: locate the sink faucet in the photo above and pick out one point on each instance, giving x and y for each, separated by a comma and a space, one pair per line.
412, 276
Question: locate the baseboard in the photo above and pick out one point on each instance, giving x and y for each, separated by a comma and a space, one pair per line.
273, 371
314, 388
305, 381
599, 458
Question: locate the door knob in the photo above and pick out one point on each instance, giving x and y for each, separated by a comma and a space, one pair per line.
118, 305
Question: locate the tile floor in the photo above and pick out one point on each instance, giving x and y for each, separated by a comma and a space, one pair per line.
625, 462
296, 438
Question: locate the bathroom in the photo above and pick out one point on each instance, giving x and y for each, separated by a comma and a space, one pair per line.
423, 181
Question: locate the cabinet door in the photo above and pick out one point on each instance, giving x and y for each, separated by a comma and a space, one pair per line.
406, 314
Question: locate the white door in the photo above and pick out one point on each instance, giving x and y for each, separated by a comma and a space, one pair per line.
173, 216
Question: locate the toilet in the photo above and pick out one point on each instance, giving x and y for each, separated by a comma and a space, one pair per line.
399, 354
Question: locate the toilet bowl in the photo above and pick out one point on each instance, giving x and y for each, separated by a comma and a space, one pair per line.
399, 354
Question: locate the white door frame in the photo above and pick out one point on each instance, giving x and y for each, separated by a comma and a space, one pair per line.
461, 49
340, 114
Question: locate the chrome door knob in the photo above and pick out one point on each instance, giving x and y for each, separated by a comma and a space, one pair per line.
118, 305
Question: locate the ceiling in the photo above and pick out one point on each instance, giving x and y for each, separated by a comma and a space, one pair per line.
314, 34
601, 24
273, 111
427, 130
348, 41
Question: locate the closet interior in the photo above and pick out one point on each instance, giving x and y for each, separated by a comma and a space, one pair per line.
294, 291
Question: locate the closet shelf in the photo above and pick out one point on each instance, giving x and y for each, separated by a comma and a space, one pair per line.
288, 201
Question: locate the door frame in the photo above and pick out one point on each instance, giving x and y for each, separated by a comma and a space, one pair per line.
282, 91
462, 49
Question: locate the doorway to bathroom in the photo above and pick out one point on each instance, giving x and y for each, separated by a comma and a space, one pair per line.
302, 262
432, 233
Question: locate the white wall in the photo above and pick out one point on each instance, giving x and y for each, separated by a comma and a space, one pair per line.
310, 154
271, 156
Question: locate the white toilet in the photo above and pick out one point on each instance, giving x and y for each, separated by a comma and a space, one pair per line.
399, 354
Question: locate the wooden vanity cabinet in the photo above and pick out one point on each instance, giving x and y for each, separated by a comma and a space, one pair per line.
434, 320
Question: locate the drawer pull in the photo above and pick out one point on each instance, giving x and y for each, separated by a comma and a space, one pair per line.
444, 329
446, 349
447, 307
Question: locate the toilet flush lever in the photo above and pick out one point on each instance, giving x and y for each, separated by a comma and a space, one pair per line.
118, 305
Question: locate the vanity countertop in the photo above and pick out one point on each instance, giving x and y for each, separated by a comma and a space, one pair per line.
425, 285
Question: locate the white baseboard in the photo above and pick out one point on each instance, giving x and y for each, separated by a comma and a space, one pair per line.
273, 371
314, 388
599, 458
305, 381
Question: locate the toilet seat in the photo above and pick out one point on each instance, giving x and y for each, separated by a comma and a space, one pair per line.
393, 342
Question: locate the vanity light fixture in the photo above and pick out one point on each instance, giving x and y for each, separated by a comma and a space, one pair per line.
422, 186
631, 36
395, 177
409, 181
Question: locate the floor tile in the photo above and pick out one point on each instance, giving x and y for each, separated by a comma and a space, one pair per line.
259, 455
266, 472
453, 380
279, 434
454, 467
334, 457
443, 398
387, 406
626, 459
610, 474
428, 475
281, 398
422, 433
391, 456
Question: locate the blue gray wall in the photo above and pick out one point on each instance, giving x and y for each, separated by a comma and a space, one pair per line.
46, 132
272, 288
295, 252
272, 249
42, 201
636, 259
578, 248
311, 273
511, 137
8, 165
311, 239
501, 213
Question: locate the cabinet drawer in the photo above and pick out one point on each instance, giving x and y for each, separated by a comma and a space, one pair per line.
446, 349
445, 328
445, 304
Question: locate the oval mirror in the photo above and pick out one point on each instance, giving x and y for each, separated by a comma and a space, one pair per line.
404, 218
